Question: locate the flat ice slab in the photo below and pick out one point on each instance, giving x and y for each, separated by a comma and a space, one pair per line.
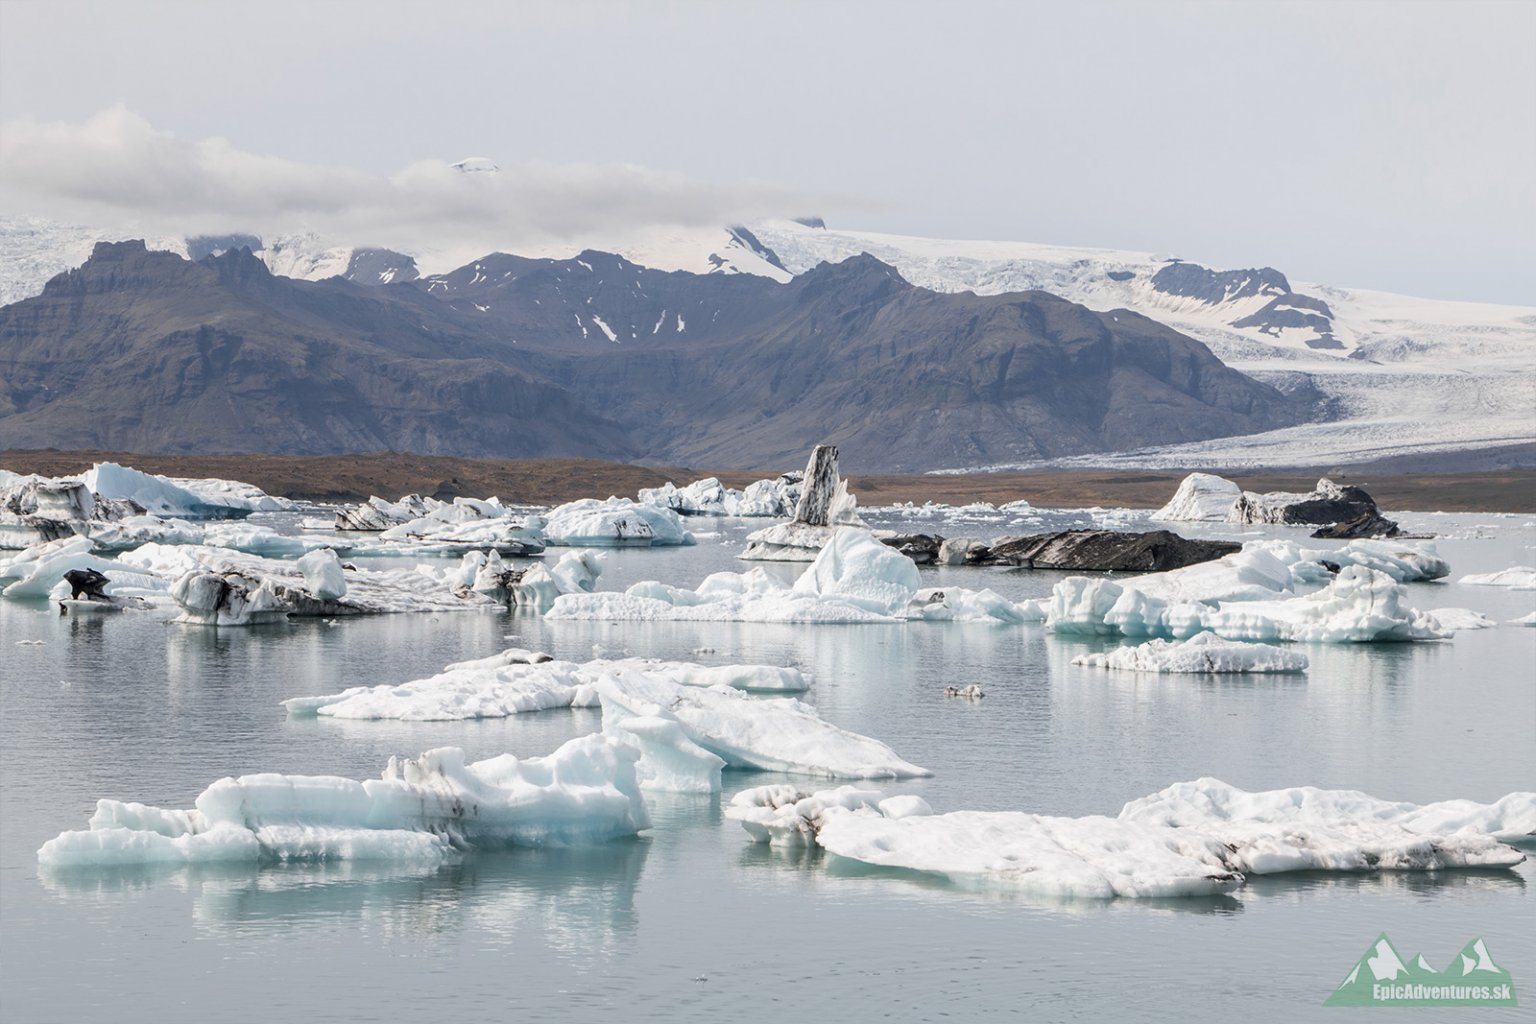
769, 734
1194, 838
424, 808
518, 681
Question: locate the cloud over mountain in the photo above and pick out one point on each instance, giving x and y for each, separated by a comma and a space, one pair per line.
116, 166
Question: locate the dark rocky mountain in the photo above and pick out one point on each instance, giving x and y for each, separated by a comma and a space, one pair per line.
510, 356
152, 353
1286, 308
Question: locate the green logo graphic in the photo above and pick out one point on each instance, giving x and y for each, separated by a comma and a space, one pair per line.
1383, 978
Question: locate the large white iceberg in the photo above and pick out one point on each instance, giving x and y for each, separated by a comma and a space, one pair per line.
1201, 497
517, 681
166, 496
424, 808
616, 522
1203, 652
1251, 595
854, 578
1194, 838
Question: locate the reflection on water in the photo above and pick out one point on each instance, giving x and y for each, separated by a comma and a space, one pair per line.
134, 708
581, 901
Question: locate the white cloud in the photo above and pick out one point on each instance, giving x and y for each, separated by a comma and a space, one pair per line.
117, 168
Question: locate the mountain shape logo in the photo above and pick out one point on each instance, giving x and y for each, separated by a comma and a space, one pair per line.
1383, 977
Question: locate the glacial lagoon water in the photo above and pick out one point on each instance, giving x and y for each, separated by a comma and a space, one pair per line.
691, 921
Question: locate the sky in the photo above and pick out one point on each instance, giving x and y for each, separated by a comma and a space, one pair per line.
1359, 143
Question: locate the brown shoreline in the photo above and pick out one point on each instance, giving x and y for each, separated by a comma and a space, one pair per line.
550, 481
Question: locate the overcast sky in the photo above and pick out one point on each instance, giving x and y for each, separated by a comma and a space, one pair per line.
1387, 145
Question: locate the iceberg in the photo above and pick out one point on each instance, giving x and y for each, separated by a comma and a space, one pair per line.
468, 524
778, 734
1203, 652
424, 808
1195, 838
616, 522
180, 497
825, 507
1250, 595
376, 514
1519, 577
854, 578
709, 497
215, 586
517, 681
1455, 620
1201, 497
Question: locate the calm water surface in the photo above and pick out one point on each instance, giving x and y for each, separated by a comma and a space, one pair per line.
692, 922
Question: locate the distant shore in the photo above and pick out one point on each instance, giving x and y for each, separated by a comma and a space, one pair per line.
551, 481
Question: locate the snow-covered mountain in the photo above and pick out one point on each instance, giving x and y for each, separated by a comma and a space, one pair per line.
1401, 375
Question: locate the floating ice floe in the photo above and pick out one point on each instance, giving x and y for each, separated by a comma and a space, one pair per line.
616, 522
1191, 839
778, 734
376, 514
1201, 497
1250, 595
468, 524
1519, 577
165, 496
1203, 652
518, 681
1458, 619
110, 502
213, 586
424, 808
1524, 620
854, 578
709, 497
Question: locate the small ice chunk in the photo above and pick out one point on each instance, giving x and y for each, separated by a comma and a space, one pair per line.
1519, 577
323, 574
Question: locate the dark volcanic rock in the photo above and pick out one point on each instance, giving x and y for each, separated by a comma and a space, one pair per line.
1107, 551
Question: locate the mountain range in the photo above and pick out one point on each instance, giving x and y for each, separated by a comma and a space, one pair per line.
1426, 383
509, 356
